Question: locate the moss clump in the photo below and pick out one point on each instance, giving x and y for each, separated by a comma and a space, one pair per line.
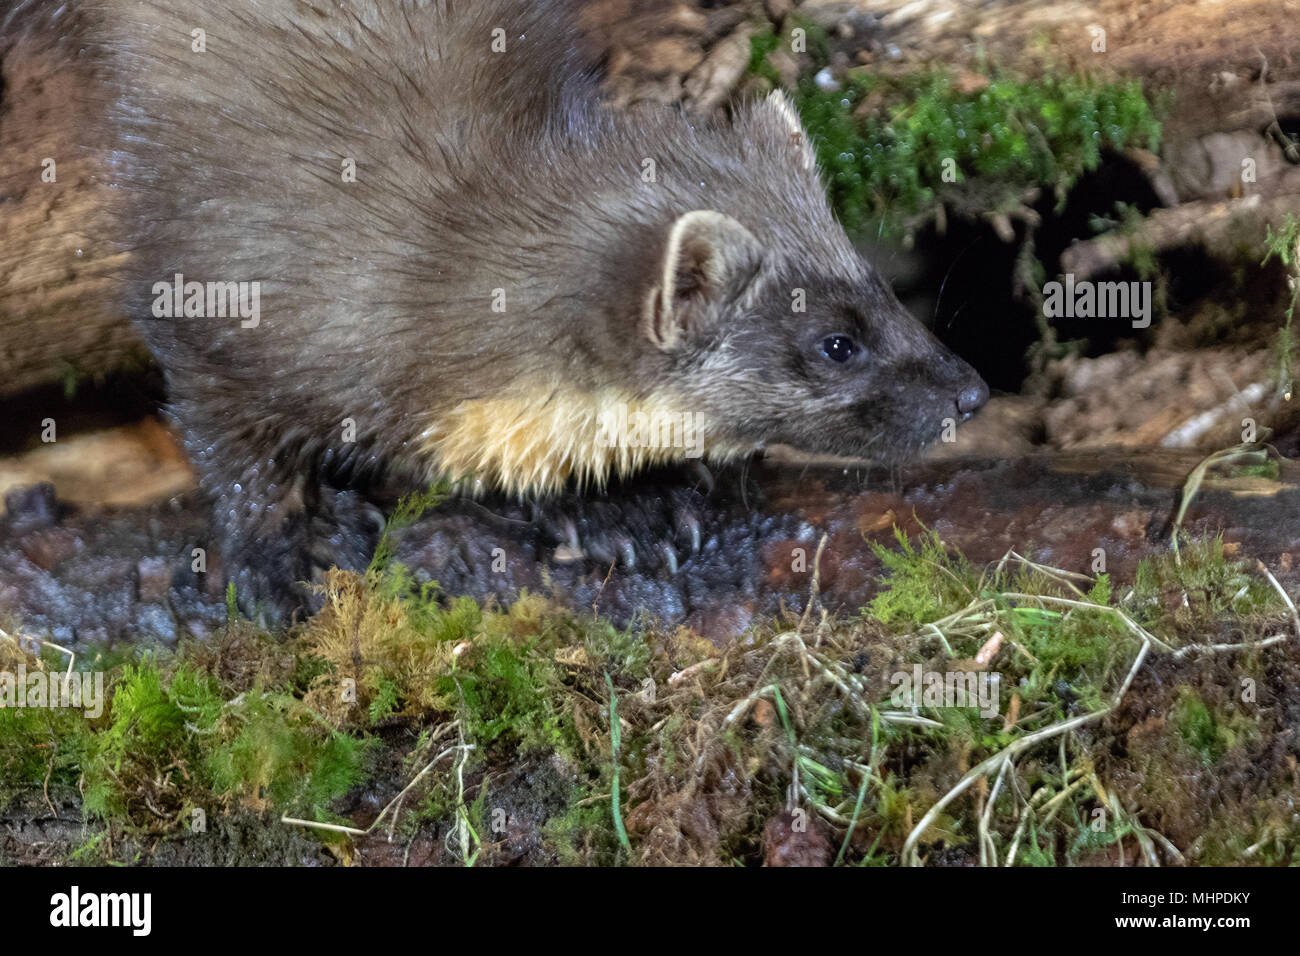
1208, 733
890, 147
925, 581
176, 740
1064, 648
279, 755
1284, 245
504, 699
530, 733
1182, 597
512, 685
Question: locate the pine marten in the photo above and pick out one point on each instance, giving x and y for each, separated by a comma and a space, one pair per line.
457, 262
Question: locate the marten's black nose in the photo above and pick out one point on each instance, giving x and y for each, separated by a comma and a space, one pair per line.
972, 398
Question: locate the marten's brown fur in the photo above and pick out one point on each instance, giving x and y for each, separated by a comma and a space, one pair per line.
512, 261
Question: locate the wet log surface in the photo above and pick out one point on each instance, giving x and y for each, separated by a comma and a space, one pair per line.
106, 576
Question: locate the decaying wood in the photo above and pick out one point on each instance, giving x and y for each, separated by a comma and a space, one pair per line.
1220, 227
114, 573
59, 316
1231, 64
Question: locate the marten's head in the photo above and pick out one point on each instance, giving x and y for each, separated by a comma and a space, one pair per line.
739, 315
774, 329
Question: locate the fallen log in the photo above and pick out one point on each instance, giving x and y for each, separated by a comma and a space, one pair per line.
1219, 227
86, 577
59, 318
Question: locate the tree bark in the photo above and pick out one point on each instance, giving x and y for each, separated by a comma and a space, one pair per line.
60, 319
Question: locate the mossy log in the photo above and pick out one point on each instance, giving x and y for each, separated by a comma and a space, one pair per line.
119, 574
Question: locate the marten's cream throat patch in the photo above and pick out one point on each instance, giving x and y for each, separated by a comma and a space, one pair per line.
539, 443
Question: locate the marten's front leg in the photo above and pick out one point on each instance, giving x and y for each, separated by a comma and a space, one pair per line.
278, 525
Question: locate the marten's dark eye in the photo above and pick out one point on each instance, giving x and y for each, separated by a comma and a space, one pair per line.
839, 348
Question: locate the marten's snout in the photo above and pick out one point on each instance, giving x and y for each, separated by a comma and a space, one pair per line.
957, 380
972, 398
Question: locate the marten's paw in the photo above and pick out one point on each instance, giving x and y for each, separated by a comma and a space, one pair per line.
275, 564
649, 526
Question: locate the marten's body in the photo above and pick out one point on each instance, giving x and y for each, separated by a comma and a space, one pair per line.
510, 265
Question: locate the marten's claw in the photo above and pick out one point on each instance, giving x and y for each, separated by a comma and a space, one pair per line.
688, 530
641, 526
628, 552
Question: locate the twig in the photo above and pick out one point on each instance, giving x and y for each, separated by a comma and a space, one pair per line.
989, 853
340, 828
814, 592
1286, 598
601, 590
18, 641
1014, 748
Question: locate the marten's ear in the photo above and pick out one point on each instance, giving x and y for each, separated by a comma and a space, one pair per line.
709, 262
777, 109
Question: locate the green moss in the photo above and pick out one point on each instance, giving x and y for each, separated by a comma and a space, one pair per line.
1100, 592
1186, 593
385, 702
146, 725
172, 737
621, 651
503, 690
515, 708
582, 835
1089, 840
890, 147
174, 740
281, 753
37, 743
1078, 657
1197, 727
1209, 734
925, 582
1284, 245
